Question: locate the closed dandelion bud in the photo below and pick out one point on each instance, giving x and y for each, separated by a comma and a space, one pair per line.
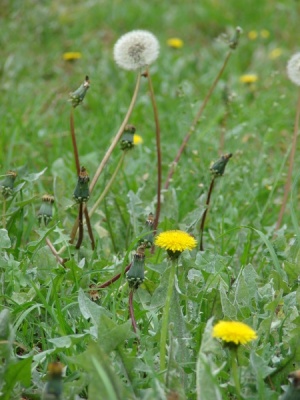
127, 141
148, 238
77, 97
45, 212
233, 43
82, 191
7, 184
135, 275
218, 167
54, 387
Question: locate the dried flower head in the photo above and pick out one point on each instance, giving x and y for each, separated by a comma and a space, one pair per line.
136, 49
45, 212
293, 69
127, 141
233, 332
54, 387
7, 184
135, 275
82, 192
175, 242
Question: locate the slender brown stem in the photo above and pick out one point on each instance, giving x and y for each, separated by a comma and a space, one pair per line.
195, 121
75, 149
114, 279
205, 212
223, 131
131, 311
108, 185
89, 227
80, 219
288, 182
158, 150
54, 252
110, 150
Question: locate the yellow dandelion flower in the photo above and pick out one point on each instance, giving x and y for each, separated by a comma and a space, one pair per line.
175, 43
72, 56
248, 78
264, 33
137, 139
252, 35
275, 53
234, 332
175, 242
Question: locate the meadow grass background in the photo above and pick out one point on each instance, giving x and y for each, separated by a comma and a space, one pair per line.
244, 274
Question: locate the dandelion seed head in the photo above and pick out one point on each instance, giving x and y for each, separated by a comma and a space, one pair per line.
293, 69
136, 49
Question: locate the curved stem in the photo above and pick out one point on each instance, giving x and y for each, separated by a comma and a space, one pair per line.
114, 279
110, 150
89, 227
195, 121
80, 219
205, 213
158, 150
288, 183
54, 252
165, 317
108, 185
131, 311
75, 148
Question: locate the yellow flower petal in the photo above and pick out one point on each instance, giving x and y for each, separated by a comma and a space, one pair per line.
71, 56
137, 139
252, 35
275, 53
234, 332
248, 78
175, 43
264, 33
175, 241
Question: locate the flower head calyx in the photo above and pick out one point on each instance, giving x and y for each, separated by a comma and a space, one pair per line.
7, 184
45, 212
175, 242
77, 97
218, 168
136, 49
233, 332
82, 192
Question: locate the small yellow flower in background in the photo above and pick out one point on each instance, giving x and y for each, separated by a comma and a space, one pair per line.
249, 78
234, 332
264, 33
175, 43
252, 35
275, 53
175, 242
137, 139
72, 56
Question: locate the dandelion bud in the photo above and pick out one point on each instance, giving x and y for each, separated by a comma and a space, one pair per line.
147, 239
218, 167
136, 49
77, 97
54, 387
233, 43
293, 69
7, 184
45, 212
127, 141
135, 275
82, 191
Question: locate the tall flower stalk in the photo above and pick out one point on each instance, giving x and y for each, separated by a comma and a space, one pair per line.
232, 45
174, 242
293, 71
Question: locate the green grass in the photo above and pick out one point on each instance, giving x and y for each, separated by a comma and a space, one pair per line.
245, 272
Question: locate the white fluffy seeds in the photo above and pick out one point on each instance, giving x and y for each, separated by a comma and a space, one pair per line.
293, 69
136, 49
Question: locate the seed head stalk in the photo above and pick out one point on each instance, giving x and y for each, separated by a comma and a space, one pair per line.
196, 120
288, 182
212, 183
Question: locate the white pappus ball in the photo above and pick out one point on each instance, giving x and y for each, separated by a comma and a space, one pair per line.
293, 69
136, 49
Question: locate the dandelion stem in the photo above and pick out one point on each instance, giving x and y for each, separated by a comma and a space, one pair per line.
205, 213
108, 185
54, 252
195, 121
131, 311
165, 317
75, 148
114, 279
110, 150
235, 372
80, 221
117, 137
4, 213
288, 183
89, 227
158, 149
